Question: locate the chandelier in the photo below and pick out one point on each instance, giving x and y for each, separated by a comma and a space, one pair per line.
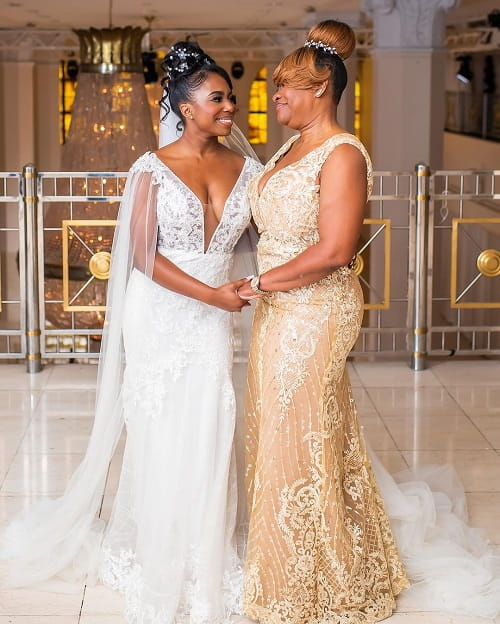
111, 126
111, 118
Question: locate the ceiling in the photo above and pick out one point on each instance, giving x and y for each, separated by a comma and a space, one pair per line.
58, 14
194, 14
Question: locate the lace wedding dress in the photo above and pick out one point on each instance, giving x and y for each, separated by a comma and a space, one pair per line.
170, 544
332, 535
170, 547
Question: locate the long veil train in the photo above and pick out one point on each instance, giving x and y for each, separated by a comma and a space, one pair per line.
452, 567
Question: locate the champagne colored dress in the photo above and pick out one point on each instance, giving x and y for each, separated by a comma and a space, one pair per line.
320, 547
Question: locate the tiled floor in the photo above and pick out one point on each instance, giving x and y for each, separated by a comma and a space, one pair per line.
448, 413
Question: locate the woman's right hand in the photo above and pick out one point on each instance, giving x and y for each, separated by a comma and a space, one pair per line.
226, 296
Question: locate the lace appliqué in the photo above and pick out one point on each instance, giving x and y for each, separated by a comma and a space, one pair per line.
180, 213
121, 572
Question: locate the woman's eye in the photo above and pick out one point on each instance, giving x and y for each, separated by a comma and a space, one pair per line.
217, 98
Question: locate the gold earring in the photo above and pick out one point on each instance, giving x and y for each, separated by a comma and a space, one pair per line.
318, 93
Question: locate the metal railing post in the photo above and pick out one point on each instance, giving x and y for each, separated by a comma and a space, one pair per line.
30, 202
421, 242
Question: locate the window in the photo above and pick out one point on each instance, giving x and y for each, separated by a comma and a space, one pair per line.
357, 108
67, 89
257, 109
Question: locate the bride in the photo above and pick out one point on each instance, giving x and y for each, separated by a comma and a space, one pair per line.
165, 372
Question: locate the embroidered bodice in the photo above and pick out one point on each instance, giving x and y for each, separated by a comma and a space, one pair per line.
286, 210
180, 212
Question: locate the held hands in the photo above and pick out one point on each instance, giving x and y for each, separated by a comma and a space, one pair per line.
245, 292
227, 296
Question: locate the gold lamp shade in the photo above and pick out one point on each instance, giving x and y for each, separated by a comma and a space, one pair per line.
110, 50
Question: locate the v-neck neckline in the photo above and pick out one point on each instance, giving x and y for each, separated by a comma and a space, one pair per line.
200, 203
283, 152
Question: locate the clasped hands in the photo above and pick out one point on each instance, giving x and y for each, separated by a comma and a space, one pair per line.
233, 296
245, 291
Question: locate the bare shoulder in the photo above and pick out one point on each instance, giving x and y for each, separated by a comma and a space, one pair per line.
346, 156
169, 152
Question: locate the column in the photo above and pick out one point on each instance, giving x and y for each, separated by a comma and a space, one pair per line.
408, 82
17, 93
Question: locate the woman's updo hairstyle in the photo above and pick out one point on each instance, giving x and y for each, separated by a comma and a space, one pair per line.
328, 44
186, 67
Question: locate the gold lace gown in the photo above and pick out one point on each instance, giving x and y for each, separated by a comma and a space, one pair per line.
320, 547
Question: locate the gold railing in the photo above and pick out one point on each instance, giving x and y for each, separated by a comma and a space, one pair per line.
428, 263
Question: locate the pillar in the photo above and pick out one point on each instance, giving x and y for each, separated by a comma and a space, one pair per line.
408, 82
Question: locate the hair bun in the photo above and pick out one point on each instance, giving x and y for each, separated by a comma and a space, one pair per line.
185, 57
338, 35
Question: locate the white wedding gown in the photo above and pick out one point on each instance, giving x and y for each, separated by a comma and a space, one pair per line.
170, 544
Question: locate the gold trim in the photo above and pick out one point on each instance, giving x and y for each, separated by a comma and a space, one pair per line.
34, 356
422, 197
488, 263
110, 50
474, 305
420, 331
33, 332
385, 303
66, 226
420, 354
359, 264
423, 173
99, 265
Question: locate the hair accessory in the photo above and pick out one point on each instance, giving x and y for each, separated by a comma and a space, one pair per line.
185, 58
323, 47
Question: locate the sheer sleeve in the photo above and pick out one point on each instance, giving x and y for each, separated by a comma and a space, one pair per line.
62, 536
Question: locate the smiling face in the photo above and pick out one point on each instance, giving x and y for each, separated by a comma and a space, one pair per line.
212, 106
293, 106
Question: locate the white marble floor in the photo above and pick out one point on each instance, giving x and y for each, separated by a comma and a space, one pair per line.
448, 413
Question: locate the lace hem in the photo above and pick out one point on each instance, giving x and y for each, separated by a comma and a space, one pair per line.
375, 611
121, 572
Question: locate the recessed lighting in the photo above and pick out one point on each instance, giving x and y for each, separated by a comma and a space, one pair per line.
15, 4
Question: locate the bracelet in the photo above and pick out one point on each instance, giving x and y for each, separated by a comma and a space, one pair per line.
255, 286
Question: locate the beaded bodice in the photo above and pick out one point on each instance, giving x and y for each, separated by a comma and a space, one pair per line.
180, 213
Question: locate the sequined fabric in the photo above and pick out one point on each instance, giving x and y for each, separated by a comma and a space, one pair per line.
320, 547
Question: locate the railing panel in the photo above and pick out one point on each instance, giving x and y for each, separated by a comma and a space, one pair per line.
464, 293
386, 234
12, 273
77, 213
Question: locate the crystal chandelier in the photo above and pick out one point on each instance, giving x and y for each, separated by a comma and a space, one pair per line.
111, 126
111, 119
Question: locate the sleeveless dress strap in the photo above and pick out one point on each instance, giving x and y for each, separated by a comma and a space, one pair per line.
345, 138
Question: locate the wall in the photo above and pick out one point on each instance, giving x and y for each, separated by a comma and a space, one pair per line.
466, 152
